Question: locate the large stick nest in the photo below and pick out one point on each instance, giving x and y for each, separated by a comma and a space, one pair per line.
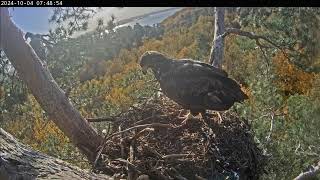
157, 147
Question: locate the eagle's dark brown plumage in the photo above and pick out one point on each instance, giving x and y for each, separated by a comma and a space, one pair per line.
194, 85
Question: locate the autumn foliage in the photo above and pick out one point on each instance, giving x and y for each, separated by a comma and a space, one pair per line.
290, 78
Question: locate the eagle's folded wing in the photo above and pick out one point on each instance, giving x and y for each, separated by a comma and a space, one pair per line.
196, 85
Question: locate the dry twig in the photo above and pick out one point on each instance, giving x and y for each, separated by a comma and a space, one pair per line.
177, 153
313, 172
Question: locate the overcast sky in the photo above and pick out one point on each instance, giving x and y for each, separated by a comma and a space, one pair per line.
34, 19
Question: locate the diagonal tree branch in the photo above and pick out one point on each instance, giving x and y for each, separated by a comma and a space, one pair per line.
313, 172
253, 36
44, 88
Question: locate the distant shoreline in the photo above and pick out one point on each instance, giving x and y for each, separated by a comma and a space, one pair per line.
128, 20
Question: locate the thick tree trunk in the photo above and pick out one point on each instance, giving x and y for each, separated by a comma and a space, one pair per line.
217, 49
44, 88
18, 161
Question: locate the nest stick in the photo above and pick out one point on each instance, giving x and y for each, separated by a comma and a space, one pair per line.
101, 148
132, 166
101, 119
140, 126
132, 150
121, 143
175, 156
131, 158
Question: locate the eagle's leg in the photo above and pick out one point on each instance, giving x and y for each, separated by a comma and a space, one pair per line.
190, 115
220, 118
204, 114
186, 118
205, 117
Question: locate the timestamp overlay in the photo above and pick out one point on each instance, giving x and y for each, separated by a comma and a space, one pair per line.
117, 3
34, 3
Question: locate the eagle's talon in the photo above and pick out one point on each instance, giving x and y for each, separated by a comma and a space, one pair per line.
186, 118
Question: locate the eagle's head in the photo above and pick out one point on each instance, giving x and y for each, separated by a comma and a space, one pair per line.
153, 60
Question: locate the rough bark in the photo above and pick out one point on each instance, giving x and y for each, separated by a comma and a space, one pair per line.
18, 161
44, 88
217, 49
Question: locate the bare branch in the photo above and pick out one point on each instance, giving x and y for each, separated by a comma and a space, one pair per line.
140, 133
253, 36
101, 119
309, 174
109, 118
262, 47
140, 126
132, 166
271, 127
176, 156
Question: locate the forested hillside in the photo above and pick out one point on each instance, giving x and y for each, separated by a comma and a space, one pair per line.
100, 73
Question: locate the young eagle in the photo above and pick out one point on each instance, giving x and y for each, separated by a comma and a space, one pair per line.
194, 85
